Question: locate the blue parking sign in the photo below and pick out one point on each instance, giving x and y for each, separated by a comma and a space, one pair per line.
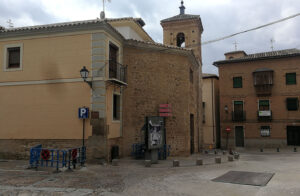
83, 113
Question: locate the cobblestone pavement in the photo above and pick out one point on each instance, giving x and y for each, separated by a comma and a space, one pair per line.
132, 178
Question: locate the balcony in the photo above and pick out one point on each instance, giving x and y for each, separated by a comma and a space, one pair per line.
263, 90
238, 116
264, 116
117, 73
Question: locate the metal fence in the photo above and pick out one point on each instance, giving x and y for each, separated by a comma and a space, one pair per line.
45, 157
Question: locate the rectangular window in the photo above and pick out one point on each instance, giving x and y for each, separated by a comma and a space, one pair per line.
292, 104
113, 61
290, 78
116, 107
203, 106
237, 82
13, 57
238, 105
264, 105
265, 131
191, 76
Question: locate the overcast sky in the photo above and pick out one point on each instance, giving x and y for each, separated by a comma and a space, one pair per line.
219, 18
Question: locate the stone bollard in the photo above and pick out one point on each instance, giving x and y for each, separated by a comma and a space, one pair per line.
147, 163
199, 162
224, 152
230, 158
176, 163
218, 160
115, 162
236, 156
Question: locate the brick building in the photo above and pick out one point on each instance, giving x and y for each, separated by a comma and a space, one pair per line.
259, 98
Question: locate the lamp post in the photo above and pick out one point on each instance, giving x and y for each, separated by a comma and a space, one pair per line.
84, 73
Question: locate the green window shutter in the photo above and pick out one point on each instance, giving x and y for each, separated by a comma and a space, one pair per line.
292, 104
264, 103
237, 82
290, 78
238, 102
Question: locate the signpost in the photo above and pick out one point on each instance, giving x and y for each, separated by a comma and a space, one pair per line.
228, 130
83, 113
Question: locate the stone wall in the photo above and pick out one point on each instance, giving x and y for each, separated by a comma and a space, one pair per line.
154, 78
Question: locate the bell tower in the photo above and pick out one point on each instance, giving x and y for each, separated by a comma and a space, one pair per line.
183, 30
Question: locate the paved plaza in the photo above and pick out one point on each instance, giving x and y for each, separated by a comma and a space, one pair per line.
132, 178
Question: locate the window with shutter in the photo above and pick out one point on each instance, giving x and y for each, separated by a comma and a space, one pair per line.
264, 105
290, 78
292, 104
237, 82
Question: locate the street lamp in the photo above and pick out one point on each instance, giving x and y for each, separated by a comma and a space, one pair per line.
84, 75
226, 108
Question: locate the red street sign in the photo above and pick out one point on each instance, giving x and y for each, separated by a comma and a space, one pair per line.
228, 129
165, 105
165, 110
165, 114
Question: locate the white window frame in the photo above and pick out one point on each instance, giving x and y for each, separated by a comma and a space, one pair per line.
5, 59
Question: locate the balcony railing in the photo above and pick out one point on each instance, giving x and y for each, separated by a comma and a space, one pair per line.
238, 116
263, 90
265, 115
117, 72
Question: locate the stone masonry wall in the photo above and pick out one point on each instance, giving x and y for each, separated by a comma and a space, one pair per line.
157, 78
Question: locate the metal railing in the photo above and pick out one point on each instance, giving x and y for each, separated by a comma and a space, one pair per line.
238, 116
45, 157
117, 71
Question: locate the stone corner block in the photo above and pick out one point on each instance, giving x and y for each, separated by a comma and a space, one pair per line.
176, 163
115, 162
218, 160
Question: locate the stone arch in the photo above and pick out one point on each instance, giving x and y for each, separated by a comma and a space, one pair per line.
180, 40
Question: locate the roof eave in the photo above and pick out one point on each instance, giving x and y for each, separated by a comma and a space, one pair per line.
217, 63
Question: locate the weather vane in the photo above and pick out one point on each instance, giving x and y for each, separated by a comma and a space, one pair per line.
102, 14
235, 45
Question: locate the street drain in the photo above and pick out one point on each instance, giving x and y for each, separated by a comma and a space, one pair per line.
245, 178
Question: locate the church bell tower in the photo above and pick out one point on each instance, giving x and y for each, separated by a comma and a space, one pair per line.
183, 30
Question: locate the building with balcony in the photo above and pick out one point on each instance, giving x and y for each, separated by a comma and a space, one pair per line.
259, 98
130, 76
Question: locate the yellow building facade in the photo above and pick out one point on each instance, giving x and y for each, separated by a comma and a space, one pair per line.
41, 87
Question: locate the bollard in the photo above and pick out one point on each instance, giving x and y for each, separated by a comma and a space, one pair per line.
147, 163
199, 162
295, 149
230, 158
224, 152
277, 149
261, 150
176, 163
236, 156
115, 162
218, 160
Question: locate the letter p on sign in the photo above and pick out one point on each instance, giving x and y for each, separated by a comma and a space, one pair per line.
83, 113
